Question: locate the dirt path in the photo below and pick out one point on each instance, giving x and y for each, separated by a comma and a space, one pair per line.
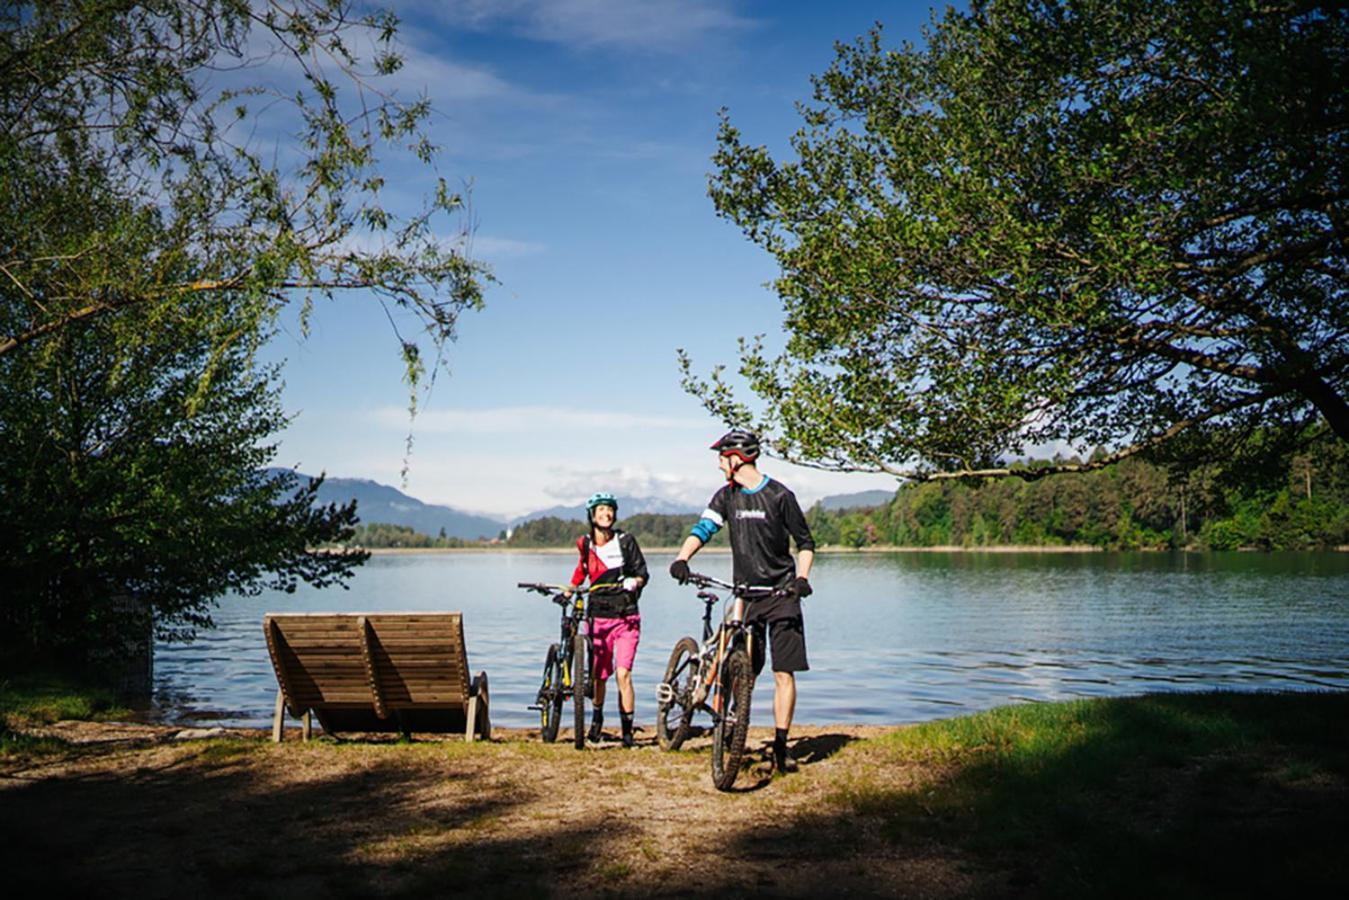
130, 811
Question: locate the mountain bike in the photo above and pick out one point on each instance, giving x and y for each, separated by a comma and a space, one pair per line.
716, 677
567, 666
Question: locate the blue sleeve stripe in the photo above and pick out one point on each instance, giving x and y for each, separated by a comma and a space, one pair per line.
704, 528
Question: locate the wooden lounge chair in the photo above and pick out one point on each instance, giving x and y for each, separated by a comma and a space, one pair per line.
399, 672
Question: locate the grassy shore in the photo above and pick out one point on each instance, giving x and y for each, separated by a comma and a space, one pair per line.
1194, 795
28, 702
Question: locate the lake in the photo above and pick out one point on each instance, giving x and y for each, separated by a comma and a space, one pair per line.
892, 637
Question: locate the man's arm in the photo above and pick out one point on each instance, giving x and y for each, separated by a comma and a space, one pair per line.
797, 527
692, 544
707, 525
804, 560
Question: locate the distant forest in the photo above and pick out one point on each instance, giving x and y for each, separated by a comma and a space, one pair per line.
1131, 505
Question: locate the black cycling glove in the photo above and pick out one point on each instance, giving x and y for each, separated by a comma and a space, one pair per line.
679, 571
800, 587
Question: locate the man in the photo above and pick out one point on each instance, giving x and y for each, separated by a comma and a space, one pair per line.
761, 513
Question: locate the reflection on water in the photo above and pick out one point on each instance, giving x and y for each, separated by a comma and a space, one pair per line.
892, 638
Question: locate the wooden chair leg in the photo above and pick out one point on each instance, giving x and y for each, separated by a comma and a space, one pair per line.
486, 707
471, 719
479, 711
308, 724
279, 716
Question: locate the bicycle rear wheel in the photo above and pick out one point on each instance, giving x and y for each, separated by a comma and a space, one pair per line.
579, 675
549, 700
674, 707
736, 684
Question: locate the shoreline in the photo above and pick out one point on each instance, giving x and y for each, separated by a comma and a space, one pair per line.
830, 550
849, 551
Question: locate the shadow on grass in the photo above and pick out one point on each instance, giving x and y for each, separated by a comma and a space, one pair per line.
1166, 795
213, 824
810, 750
1170, 796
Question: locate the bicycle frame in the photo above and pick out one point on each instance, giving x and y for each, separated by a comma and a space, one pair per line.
717, 644
576, 674
574, 611
716, 676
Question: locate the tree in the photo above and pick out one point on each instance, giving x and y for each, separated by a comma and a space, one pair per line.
250, 132
173, 174
111, 492
1108, 224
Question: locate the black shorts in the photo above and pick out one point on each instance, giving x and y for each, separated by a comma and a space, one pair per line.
788, 640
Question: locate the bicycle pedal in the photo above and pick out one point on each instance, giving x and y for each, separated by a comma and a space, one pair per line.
664, 693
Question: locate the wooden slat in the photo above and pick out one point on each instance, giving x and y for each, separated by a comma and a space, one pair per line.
275, 643
378, 662
418, 664
371, 673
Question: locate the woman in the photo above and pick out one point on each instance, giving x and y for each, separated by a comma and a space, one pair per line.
611, 557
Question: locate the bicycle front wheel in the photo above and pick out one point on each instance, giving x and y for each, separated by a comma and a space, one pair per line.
549, 700
674, 706
736, 684
578, 687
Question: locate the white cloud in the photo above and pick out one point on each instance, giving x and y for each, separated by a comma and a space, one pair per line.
543, 420
443, 80
493, 477
488, 248
667, 25
571, 484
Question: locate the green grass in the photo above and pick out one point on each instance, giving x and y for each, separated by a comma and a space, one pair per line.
43, 699
1165, 795
22, 746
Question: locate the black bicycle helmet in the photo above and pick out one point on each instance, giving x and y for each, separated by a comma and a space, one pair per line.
744, 444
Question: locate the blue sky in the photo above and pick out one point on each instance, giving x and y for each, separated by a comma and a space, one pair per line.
585, 128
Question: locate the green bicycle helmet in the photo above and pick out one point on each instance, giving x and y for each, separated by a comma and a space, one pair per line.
601, 499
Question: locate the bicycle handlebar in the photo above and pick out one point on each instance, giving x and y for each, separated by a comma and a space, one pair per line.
748, 591
540, 588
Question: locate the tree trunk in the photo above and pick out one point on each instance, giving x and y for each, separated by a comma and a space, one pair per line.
1329, 403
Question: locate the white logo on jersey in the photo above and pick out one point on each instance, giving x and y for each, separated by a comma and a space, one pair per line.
751, 514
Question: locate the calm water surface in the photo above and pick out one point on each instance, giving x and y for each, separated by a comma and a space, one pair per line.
892, 637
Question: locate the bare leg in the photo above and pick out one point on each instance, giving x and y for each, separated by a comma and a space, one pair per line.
600, 687
626, 698
784, 698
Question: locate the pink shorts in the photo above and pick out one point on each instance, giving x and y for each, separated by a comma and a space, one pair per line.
615, 642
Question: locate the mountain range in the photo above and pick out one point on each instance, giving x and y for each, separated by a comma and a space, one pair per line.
377, 502
859, 500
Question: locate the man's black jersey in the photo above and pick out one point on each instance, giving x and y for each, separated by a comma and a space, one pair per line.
760, 521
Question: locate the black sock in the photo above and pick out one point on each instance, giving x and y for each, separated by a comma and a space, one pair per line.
627, 720
780, 742
599, 716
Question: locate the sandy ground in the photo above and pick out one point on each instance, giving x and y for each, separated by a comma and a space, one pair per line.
146, 811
